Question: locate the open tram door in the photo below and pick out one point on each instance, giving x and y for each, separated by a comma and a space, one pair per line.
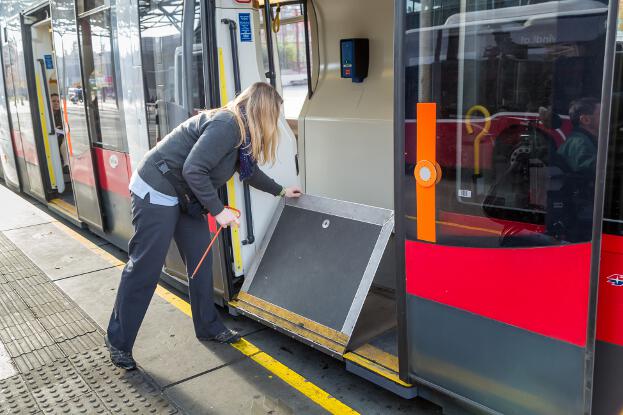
78, 48
320, 269
47, 115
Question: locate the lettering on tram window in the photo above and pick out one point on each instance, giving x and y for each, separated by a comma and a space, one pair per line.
166, 88
518, 89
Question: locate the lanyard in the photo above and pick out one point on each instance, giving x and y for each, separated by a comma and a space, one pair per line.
218, 231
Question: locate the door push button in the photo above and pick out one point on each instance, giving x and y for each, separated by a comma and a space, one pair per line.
427, 173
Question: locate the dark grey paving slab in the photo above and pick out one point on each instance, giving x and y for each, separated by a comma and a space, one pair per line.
85, 404
241, 388
15, 398
120, 391
330, 375
57, 254
55, 383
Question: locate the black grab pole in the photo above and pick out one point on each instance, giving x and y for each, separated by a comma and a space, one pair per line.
238, 88
268, 17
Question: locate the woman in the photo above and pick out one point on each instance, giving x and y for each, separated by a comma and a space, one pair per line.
173, 186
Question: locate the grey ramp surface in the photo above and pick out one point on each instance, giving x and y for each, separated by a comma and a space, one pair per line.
305, 269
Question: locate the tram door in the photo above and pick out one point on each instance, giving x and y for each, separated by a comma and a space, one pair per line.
607, 397
48, 115
7, 154
20, 105
501, 136
240, 65
173, 62
81, 190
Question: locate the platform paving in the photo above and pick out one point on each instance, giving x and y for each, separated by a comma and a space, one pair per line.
58, 352
54, 312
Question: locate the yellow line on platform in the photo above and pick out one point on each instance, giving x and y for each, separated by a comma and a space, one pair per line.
298, 382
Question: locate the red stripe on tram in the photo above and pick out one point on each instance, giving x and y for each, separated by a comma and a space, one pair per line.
542, 290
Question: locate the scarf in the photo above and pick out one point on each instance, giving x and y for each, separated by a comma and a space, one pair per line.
246, 161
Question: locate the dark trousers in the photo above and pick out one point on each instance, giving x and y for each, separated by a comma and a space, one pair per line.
154, 228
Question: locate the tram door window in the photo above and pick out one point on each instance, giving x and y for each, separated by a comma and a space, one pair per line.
20, 109
289, 34
613, 207
100, 77
513, 150
162, 29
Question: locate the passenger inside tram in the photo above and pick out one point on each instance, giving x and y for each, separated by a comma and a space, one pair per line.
579, 155
60, 134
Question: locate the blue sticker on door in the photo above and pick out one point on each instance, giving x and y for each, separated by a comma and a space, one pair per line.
48, 62
244, 22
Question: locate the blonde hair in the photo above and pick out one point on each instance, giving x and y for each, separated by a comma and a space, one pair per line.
262, 106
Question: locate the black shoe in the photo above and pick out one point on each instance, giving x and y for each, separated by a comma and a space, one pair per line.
226, 336
119, 358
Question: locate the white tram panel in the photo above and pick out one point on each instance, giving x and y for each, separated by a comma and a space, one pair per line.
284, 169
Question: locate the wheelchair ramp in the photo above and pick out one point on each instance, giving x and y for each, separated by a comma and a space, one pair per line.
315, 268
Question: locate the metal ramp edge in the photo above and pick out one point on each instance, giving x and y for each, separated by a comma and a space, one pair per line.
312, 333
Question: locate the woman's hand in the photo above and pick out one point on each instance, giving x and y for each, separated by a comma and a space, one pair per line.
226, 218
293, 191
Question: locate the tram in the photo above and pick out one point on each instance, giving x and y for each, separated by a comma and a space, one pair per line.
452, 251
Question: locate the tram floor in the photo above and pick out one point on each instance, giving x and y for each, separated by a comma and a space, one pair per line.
273, 374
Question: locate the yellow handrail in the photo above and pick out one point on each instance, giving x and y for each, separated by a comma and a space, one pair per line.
470, 130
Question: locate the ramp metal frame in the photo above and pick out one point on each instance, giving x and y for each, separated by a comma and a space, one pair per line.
328, 339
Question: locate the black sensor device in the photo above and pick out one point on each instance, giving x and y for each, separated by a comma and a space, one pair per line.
354, 59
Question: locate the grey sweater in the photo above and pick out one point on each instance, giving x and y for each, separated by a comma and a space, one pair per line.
205, 150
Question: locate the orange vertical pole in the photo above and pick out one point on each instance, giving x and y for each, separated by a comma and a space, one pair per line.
425, 171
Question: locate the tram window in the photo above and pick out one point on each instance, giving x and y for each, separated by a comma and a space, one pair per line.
100, 93
290, 40
613, 208
161, 27
86, 5
507, 78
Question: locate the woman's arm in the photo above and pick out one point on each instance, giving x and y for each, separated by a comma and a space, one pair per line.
262, 182
217, 140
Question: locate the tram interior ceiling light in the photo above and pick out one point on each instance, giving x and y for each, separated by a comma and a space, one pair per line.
354, 59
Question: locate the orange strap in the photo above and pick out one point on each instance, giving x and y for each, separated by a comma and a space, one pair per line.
67, 134
218, 231
426, 171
